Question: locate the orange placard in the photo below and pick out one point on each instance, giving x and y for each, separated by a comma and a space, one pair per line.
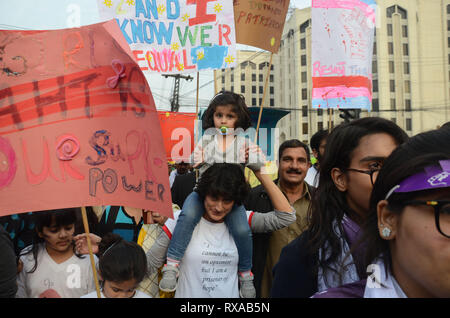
178, 134
260, 23
78, 124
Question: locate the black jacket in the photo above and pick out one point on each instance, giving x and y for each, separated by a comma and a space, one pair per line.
293, 275
8, 266
258, 201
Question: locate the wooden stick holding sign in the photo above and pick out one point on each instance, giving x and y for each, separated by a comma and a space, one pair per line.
91, 254
261, 105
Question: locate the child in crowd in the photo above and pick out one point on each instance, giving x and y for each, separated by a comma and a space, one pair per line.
226, 117
122, 266
51, 268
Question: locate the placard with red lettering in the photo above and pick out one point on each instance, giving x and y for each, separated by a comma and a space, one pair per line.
260, 23
78, 124
341, 50
176, 36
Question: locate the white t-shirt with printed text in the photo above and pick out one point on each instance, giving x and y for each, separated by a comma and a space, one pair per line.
209, 268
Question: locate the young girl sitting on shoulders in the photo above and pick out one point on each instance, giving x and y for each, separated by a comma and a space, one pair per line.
226, 117
51, 268
122, 266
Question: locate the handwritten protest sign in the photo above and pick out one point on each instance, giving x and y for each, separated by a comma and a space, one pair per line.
78, 124
178, 134
342, 46
260, 23
176, 36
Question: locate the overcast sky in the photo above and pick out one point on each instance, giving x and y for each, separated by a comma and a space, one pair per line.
58, 14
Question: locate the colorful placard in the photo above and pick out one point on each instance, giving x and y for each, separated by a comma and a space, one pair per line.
176, 36
260, 23
78, 124
342, 49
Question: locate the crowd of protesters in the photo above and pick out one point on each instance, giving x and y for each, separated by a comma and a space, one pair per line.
369, 219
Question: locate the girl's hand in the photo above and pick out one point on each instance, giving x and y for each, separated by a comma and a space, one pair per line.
160, 219
155, 218
254, 149
198, 157
81, 244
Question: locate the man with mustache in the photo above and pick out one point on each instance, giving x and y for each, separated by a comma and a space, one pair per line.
293, 165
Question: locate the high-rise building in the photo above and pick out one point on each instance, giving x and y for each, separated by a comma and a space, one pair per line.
248, 78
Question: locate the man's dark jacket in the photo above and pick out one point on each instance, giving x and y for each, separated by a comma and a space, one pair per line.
258, 201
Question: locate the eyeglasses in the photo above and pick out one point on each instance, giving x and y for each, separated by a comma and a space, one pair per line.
441, 214
371, 173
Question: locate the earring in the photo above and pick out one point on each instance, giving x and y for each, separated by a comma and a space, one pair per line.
386, 232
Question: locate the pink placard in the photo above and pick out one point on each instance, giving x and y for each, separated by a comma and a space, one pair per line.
78, 123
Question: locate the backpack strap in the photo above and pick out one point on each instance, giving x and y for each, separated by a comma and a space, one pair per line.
112, 216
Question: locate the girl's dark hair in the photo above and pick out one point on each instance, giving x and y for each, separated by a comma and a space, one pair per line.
412, 157
47, 218
223, 98
328, 203
224, 180
121, 260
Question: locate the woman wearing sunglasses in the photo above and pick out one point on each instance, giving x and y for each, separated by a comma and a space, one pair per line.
407, 233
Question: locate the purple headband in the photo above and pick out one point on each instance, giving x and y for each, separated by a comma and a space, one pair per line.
433, 177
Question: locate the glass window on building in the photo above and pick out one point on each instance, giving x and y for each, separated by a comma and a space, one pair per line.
375, 85
272, 102
304, 77
253, 101
272, 90
407, 87
393, 104
390, 48
243, 77
303, 44
253, 89
390, 11
391, 67
303, 60
406, 67
261, 77
304, 94
305, 111
392, 86
253, 77
271, 78
408, 105
305, 128
232, 77
242, 89
405, 49
375, 105
389, 29
261, 89
320, 125
405, 31
408, 124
